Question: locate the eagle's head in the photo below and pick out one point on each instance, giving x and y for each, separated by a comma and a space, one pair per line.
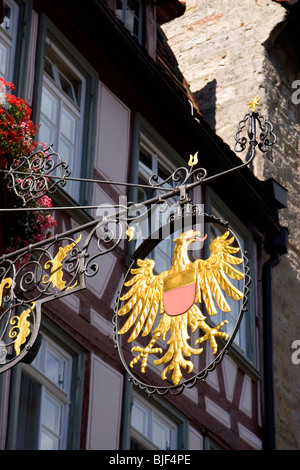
181, 258
189, 236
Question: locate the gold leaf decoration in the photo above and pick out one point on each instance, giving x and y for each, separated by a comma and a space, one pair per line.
22, 324
56, 267
5, 283
193, 159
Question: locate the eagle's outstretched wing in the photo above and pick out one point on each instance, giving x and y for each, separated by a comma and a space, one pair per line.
144, 298
212, 275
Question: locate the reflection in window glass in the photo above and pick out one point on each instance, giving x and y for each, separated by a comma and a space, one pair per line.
51, 414
55, 367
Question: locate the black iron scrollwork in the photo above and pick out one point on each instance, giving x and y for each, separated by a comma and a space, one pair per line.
264, 139
60, 265
31, 177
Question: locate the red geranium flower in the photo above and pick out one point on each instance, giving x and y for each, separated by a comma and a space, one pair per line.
17, 139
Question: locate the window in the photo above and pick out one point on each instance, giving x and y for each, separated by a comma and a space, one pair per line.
131, 14
151, 429
46, 391
68, 102
245, 337
8, 36
152, 423
62, 111
153, 162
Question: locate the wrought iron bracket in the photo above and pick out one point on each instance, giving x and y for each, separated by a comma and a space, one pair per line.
60, 265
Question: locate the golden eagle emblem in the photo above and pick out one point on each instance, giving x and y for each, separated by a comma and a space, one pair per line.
174, 294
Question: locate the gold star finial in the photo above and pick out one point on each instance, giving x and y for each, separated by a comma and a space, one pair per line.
253, 103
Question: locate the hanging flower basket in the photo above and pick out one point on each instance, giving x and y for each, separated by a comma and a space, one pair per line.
17, 139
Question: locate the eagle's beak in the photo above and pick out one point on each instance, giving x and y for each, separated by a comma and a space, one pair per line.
195, 237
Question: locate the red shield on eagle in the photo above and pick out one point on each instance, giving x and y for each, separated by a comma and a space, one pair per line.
179, 291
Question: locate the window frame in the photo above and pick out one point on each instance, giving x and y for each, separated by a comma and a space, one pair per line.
73, 403
75, 61
146, 437
160, 407
141, 23
64, 103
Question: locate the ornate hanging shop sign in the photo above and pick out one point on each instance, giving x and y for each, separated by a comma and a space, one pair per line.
170, 325
168, 318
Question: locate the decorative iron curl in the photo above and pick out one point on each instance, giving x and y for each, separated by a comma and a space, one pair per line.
264, 140
267, 136
109, 233
180, 176
31, 177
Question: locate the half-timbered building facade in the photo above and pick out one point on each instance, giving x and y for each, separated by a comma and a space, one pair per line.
106, 89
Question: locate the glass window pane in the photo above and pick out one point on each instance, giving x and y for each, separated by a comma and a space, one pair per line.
61, 114
66, 151
130, 12
47, 131
44, 409
146, 159
29, 414
3, 60
163, 257
49, 105
55, 367
48, 441
51, 414
139, 418
133, 16
161, 434
151, 428
68, 125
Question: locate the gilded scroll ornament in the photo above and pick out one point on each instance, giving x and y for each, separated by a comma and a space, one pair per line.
5, 284
23, 325
57, 268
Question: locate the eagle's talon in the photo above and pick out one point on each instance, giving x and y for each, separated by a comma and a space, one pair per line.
211, 333
175, 366
144, 353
